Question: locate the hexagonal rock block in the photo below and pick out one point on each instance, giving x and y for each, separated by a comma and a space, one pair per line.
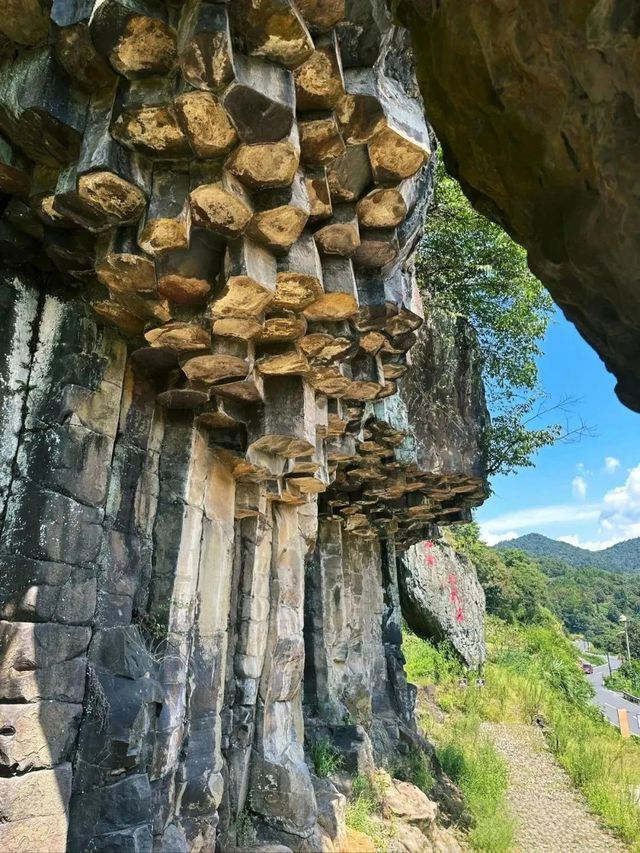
260, 101
204, 46
166, 224
136, 38
299, 278
319, 81
286, 424
280, 215
340, 298
273, 29
268, 164
250, 274
206, 124
218, 201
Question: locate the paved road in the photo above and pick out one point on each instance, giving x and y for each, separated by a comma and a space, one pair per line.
608, 700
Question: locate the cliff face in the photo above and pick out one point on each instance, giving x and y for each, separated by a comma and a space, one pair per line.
537, 107
206, 473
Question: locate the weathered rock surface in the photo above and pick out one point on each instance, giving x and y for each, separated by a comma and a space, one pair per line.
442, 598
536, 106
206, 473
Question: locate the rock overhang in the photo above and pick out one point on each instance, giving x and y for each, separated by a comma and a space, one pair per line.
238, 189
536, 107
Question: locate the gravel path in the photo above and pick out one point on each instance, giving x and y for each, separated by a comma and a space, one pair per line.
550, 815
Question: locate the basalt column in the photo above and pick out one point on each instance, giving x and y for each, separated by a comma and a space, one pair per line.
207, 217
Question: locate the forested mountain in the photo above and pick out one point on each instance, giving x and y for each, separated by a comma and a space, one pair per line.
588, 600
623, 557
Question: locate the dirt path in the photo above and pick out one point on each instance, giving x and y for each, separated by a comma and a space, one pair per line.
550, 815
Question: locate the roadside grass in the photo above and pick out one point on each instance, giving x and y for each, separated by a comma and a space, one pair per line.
472, 761
595, 659
626, 679
533, 675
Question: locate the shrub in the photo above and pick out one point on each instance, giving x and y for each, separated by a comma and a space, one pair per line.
326, 758
626, 679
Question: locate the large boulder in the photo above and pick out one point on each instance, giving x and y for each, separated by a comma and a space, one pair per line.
442, 598
536, 105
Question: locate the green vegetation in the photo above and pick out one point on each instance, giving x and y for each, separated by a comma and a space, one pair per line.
468, 265
472, 761
588, 601
326, 758
623, 557
532, 673
514, 585
626, 679
364, 809
428, 664
413, 767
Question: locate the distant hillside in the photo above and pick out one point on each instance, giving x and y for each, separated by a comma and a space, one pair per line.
623, 557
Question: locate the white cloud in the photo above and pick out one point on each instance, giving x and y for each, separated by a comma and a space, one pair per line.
494, 538
579, 487
615, 518
533, 518
621, 508
611, 464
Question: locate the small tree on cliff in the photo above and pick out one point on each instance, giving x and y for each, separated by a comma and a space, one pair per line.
469, 265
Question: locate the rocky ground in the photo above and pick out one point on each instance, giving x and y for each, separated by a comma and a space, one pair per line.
410, 821
549, 813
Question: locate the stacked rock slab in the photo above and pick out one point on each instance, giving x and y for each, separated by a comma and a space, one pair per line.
208, 214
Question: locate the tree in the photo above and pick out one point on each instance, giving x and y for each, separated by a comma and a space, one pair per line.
469, 265
515, 588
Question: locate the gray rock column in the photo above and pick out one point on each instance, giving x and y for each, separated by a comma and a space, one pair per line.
281, 789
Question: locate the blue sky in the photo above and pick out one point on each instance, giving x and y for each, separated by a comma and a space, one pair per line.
587, 492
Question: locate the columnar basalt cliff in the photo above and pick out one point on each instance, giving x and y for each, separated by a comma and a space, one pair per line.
211, 455
537, 106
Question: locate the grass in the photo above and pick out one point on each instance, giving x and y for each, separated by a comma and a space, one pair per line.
596, 660
474, 764
413, 767
626, 679
326, 758
532, 672
364, 810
